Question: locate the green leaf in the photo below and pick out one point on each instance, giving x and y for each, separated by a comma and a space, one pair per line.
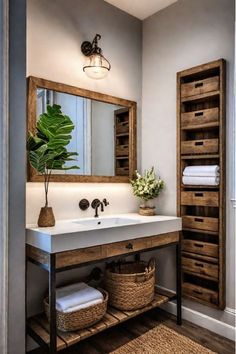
47, 149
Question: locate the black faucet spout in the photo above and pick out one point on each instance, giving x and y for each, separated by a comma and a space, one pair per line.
96, 208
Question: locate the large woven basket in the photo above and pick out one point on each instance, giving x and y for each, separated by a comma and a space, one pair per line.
79, 319
131, 285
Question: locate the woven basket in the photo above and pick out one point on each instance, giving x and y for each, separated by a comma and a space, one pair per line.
131, 285
79, 319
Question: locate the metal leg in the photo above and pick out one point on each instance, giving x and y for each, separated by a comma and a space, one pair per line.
52, 306
178, 284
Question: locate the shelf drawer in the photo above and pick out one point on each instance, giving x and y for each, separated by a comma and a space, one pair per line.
199, 292
200, 223
199, 247
200, 118
210, 199
200, 87
204, 146
199, 267
122, 127
122, 150
122, 171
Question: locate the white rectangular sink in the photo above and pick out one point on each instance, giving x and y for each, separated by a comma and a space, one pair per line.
106, 222
89, 232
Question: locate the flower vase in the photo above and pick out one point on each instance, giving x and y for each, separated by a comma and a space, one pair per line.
46, 217
147, 208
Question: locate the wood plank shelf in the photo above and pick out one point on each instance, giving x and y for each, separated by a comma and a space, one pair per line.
199, 187
201, 231
38, 325
201, 127
200, 96
201, 122
200, 257
200, 157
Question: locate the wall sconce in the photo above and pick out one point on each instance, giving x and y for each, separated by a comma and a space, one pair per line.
96, 66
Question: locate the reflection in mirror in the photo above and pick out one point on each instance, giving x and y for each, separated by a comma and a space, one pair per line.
94, 137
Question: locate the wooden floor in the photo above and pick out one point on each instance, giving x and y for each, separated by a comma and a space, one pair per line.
113, 338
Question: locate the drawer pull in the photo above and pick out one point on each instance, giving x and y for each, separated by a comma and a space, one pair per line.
198, 220
198, 245
197, 292
129, 246
198, 194
197, 143
198, 114
198, 84
199, 265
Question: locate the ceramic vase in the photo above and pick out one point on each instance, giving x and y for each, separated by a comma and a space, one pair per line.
46, 217
147, 208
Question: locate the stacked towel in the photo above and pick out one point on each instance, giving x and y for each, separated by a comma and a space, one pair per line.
201, 175
77, 296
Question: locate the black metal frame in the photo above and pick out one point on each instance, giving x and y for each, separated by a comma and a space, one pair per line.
52, 348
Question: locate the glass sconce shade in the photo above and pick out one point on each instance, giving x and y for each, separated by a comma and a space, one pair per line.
96, 66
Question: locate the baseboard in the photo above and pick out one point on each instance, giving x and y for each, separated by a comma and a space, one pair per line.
210, 323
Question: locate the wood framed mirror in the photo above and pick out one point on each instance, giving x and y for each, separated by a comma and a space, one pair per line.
104, 134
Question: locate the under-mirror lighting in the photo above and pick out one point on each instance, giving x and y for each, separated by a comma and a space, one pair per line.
96, 65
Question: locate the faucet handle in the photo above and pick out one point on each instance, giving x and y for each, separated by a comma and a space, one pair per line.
94, 203
105, 201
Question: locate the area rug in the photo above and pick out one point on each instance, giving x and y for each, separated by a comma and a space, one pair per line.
162, 340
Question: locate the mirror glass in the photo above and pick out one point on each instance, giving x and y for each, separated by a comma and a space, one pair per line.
100, 136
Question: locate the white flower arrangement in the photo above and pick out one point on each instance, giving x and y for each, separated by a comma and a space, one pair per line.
148, 186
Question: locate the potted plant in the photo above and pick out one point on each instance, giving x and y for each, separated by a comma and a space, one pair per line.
47, 151
147, 187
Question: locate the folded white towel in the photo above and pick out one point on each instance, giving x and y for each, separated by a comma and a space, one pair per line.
82, 306
76, 294
201, 181
202, 171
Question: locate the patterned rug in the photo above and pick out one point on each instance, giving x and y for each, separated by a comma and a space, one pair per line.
162, 340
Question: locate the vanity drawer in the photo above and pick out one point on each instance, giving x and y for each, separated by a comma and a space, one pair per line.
199, 267
124, 247
122, 150
200, 223
203, 117
199, 87
199, 292
210, 199
122, 127
204, 146
70, 258
199, 247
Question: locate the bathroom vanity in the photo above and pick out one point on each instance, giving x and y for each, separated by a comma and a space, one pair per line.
75, 243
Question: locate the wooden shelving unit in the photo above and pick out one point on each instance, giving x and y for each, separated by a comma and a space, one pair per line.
122, 142
201, 141
39, 326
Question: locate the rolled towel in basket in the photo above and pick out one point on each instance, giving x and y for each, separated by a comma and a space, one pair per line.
202, 171
201, 181
82, 306
75, 295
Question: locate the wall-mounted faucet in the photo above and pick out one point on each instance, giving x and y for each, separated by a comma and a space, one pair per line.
96, 203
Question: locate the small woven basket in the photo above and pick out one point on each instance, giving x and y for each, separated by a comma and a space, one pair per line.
131, 285
79, 319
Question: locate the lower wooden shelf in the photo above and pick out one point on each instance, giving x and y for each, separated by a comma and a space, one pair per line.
38, 326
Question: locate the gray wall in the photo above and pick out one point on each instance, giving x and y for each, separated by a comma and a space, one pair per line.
183, 35
17, 169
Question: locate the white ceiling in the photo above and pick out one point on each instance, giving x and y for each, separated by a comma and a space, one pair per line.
141, 8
